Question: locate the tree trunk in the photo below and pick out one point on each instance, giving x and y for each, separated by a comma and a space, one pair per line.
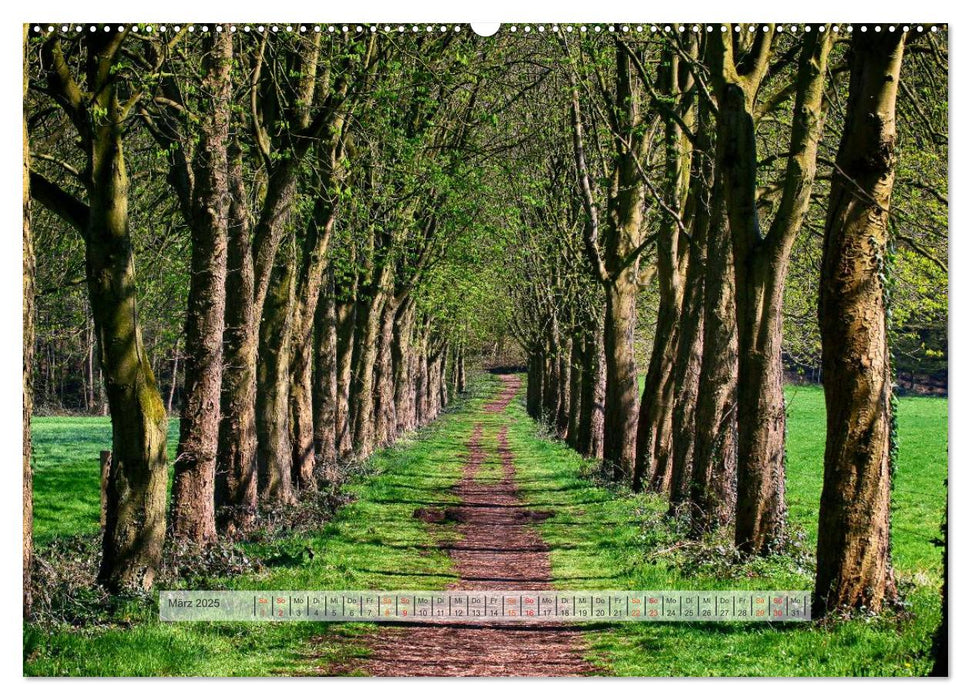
853, 554
193, 485
273, 453
135, 527
236, 480
620, 396
442, 378
421, 382
433, 386
656, 413
565, 372
386, 420
576, 382
461, 371
325, 382
706, 212
656, 416
534, 384
761, 263
402, 360
588, 372
760, 511
91, 398
28, 360
551, 375
173, 379
316, 244
344, 423
714, 462
687, 368
366, 337
592, 388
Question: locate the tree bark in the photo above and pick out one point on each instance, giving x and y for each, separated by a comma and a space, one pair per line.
421, 377
599, 398
403, 363
687, 368
236, 479
366, 337
346, 335
616, 266
28, 359
656, 416
193, 486
325, 382
714, 461
386, 420
273, 454
853, 552
620, 395
761, 263
316, 244
237, 442
135, 527
575, 392
135, 524
564, 385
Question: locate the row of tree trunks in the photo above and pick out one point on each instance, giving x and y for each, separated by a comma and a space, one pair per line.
711, 425
566, 385
616, 263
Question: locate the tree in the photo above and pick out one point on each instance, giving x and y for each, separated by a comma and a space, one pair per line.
761, 259
136, 494
615, 251
656, 417
201, 171
28, 361
853, 555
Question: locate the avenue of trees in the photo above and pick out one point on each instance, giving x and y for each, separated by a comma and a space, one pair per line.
300, 239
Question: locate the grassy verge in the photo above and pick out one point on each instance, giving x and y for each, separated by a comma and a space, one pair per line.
604, 538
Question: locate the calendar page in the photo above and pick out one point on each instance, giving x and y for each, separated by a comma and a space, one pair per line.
382, 348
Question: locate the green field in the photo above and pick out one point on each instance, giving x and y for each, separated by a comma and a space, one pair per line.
599, 538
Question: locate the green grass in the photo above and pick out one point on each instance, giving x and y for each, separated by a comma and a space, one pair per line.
67, 473
599, 538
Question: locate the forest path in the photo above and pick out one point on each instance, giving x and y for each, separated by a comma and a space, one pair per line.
498, 548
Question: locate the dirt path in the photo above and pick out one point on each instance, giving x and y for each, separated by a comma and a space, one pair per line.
499, 549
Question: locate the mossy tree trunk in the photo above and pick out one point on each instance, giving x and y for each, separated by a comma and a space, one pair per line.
136, 491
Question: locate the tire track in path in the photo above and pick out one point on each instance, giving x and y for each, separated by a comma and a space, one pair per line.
499, 549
